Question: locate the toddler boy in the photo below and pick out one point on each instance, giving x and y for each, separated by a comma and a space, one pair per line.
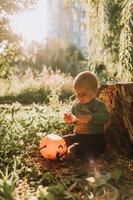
89, 115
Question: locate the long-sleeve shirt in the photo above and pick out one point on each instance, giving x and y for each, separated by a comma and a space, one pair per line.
98, 112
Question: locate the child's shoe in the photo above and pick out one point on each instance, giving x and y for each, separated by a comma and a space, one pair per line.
72, 151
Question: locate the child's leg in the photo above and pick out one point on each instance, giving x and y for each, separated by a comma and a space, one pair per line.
91, 146
70, 139
72, 144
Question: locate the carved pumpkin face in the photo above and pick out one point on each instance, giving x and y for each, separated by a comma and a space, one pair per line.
53, 147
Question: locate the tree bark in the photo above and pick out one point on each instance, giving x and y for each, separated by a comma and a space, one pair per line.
119, 101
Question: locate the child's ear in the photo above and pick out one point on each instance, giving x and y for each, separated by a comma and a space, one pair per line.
96, 90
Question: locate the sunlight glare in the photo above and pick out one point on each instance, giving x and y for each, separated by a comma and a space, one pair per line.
32, 25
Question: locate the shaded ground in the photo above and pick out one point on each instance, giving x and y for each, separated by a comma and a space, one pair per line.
108, 178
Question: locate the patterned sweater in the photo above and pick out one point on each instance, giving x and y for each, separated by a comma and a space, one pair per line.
97, 110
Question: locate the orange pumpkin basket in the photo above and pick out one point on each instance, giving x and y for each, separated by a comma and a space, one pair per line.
53, 147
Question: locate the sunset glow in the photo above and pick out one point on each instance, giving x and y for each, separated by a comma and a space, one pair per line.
32, 25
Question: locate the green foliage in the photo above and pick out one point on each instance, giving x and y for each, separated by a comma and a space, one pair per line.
109, 25
126, 40
95, 2
7, 185
21, 130
31, 95
12, 54
25, 174
112, 11
5, 70
47, 179
53, 99
11, 57
116, 175
18, 126
53, 193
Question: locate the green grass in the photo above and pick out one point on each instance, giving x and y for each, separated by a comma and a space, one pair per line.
21, 129
26, 175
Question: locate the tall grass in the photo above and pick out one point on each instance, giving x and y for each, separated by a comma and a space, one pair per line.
35, 87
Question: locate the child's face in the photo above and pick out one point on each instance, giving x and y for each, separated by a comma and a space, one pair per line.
85, 95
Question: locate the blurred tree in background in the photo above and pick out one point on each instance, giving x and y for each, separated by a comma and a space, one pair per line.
110, 38
12, 59
58, 55
109, 28
8, 8
10, 42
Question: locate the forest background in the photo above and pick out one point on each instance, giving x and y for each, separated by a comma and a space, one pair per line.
28, 75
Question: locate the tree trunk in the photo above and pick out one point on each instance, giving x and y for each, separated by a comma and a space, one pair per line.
119, 101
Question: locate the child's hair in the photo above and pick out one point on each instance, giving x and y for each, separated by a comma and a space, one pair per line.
86, 78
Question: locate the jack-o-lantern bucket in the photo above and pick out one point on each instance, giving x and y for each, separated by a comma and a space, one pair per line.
53, 147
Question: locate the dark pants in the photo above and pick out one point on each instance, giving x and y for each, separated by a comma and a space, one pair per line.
92, 145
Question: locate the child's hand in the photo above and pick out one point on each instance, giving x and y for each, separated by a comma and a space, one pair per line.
69, 118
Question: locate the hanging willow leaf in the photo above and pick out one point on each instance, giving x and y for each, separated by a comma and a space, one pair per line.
109, 25
126, 39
